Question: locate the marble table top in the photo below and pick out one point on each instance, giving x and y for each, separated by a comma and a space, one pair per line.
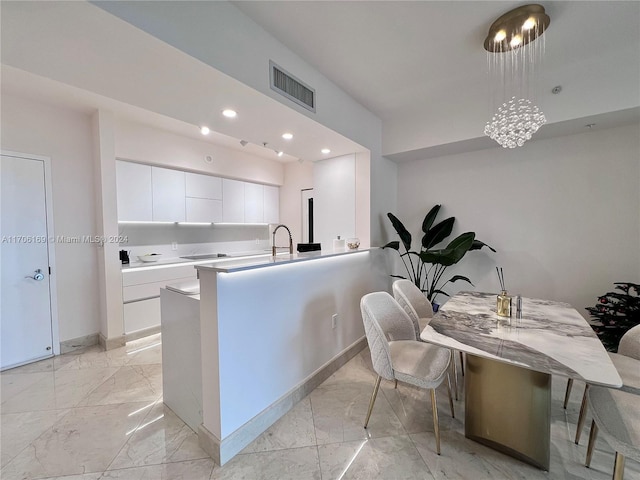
551, 337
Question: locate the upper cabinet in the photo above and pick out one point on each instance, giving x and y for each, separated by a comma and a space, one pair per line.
168, 187
203, 186
134, 192
253, 203
147, 193
232, 201
271, 204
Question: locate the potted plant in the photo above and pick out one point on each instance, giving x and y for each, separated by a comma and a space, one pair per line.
426, 267
615, 314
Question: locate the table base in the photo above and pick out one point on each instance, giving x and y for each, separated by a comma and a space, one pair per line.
508, 408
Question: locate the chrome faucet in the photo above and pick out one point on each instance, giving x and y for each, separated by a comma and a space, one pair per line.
273, 244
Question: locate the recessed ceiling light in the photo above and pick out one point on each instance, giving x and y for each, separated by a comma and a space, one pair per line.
229, 113
280, 153
325, 151
287, 136
204, 130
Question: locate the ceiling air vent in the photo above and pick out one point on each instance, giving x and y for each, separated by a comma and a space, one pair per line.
286, 84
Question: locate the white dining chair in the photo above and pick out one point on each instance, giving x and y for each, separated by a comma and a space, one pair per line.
397, 354
628, 348
616, 414
414, 302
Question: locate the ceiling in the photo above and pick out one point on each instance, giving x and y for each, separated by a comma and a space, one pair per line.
419, 66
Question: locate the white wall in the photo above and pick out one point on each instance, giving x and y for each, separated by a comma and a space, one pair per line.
297, 177
65, 137
562, 212
135, 141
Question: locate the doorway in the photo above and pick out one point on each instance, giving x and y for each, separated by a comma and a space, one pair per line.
28, 324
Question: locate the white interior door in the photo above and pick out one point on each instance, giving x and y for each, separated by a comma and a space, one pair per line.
25, 308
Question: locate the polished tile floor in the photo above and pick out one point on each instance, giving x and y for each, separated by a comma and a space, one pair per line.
99, 415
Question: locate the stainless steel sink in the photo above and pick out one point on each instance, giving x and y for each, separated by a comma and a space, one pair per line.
204, 256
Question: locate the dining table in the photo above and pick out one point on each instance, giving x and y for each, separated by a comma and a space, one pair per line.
509, 365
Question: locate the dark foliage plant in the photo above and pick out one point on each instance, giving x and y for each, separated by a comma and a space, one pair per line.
426, 267
616, 313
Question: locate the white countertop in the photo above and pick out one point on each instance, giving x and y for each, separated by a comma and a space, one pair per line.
248, 263
178, 261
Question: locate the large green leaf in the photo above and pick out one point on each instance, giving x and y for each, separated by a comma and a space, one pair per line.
438, 233
477, 245
453, 252
430, 218
395, 245
400, 229
455, 278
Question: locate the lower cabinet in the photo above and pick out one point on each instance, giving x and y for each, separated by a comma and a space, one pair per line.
141, 294
140, 315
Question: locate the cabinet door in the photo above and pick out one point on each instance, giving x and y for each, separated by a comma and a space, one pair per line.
203, 186
133, 184
253, 203
168, 195
232, 201
141, 315
204, 210
271, 204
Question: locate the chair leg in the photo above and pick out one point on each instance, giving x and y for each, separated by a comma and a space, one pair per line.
618, 467
396, 385
436, 427
583, 414
454, 366
593, 433
567, 393
453, 414
373, 400
462, 363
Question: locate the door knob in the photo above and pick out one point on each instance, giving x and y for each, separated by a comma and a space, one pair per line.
37, 276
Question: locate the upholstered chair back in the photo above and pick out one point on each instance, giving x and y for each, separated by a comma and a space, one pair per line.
629, 345
413, 301
384, 321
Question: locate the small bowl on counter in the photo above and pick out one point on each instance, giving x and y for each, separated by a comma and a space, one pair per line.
353, 243
150, 257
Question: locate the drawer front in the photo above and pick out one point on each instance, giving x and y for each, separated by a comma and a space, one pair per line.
148, 290
131, 277
141, 315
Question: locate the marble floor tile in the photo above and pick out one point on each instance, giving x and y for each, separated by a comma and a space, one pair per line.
85, 440
47, 365
139, 383
356, 370
11, 384
140, 343
188, 470
339, 412
160, 438
96, 357
86, 476
385, 458
293, 430
293, 464
412, 405
57, 390
145, 354
18, 430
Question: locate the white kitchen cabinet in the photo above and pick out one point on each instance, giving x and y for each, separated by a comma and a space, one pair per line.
204, 210
134, 194
271, 204
203, 186
232, 201
253, 203
168, 188
141, 293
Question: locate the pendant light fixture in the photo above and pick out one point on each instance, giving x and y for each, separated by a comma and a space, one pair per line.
515, 49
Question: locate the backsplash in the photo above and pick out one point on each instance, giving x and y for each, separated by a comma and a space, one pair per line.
143, 239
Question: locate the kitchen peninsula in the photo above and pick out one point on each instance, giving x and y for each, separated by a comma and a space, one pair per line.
272, 328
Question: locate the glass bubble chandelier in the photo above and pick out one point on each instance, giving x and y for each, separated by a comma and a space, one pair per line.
515, 49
